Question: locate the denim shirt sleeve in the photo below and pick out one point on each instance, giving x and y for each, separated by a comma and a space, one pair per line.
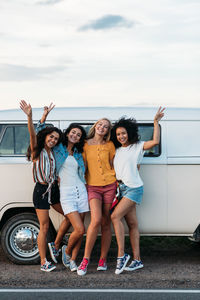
81, 169
40, 126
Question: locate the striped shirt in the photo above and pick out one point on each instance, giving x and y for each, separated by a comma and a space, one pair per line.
44, 168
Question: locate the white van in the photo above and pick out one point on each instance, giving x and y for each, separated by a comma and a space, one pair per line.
170, 171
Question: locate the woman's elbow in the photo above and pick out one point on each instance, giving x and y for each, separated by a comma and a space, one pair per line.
156, 142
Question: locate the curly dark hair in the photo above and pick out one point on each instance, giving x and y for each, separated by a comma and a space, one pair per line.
131, 126
41, 136
80, 144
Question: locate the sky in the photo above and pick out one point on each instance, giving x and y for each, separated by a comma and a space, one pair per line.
100, 52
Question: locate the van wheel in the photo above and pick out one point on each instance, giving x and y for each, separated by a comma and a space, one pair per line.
19, 239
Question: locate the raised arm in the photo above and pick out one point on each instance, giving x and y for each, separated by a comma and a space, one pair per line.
156, 132
27, 109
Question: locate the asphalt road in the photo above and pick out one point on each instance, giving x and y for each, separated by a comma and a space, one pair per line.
168, 264
100, 294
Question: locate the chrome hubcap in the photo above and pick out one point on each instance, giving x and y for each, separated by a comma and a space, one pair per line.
23, 240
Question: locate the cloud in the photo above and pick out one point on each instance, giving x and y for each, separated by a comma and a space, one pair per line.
49, 2
107, 22
10, 72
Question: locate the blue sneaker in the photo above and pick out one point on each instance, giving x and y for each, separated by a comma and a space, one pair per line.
72, 265
65, 258
53, 252
47, 267
121, 263
134, 265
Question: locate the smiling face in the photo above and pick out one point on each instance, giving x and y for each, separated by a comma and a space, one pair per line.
74, 135
122, 136
52, 139
102, 127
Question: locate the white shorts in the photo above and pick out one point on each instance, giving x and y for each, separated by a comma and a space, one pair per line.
74, 198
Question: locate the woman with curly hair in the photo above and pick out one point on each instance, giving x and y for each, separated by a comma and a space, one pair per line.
98, 154
46, 191
129, 153
73, 194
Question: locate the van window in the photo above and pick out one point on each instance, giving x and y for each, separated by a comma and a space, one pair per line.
14, 139
146, 134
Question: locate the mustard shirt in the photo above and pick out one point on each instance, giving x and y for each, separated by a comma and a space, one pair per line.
97, 158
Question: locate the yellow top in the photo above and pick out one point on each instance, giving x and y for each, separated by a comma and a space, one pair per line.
97, 158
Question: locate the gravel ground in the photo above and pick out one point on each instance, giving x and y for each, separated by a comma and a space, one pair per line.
168, 263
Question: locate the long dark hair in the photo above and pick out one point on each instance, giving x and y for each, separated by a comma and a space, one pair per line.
41, 136
80, 144
131, 127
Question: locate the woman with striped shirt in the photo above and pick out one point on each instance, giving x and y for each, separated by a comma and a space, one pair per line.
46, 191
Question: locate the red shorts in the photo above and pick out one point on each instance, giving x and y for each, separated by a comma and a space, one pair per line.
104, 193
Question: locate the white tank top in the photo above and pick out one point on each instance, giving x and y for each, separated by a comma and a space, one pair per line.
69, 172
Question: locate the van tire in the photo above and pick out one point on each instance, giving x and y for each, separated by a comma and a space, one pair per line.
19, 239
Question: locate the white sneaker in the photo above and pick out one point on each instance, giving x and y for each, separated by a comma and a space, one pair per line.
82, 269
72, 265
121, 263
134, 265
47, 267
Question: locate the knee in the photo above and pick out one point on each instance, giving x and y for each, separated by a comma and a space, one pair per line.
95, 223
81, 231
114, 218
106, 222
133, 224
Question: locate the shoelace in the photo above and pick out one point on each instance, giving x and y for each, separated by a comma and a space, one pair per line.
101, 262
119, 262
84, 264
47, 264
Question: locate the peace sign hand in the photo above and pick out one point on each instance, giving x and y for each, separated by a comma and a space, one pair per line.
160, 114
47, 109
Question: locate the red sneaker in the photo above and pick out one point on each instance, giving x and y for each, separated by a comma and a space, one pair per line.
102, 266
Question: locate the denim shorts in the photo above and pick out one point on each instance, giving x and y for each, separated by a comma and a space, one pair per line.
134, 194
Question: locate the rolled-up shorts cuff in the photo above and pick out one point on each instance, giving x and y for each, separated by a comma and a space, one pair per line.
133, 194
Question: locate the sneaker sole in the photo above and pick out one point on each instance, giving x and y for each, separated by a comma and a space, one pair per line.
81, 274
48, 270
51, 253
73, 270
122, 269
133, 269
101, 268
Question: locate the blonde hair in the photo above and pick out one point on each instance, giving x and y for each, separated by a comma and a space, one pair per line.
91, 132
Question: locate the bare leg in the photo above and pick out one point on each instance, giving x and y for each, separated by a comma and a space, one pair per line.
96, 216
43, 217
77, 247
64, 226
105, 231
78, 226
131, 220
120, 211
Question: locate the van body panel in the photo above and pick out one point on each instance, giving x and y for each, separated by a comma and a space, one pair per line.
17, 186
152, 213
183, 198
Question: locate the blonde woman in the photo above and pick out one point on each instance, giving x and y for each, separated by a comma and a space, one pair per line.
98, 154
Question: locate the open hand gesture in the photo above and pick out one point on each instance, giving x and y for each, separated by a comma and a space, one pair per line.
27, 109
159, 114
